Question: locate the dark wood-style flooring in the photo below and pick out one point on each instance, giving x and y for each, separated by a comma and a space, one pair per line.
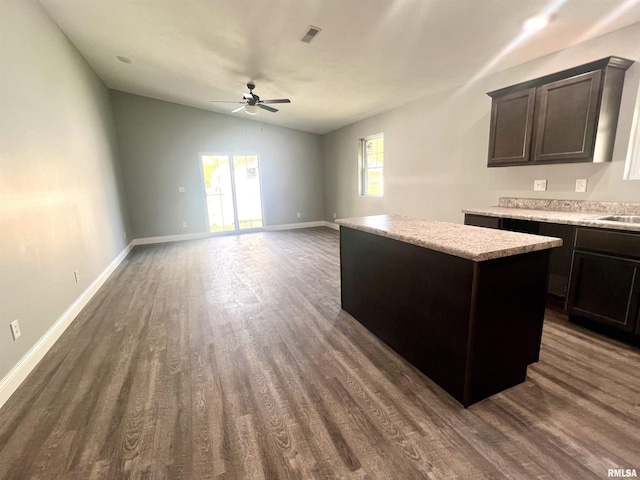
230, 358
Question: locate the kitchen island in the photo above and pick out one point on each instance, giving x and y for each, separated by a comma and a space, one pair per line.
463, 304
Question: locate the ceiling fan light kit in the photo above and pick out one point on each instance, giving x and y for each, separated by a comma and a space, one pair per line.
252, 103
252, 109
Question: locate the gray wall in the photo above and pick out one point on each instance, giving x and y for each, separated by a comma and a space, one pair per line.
436, 148
160, 144
60, 203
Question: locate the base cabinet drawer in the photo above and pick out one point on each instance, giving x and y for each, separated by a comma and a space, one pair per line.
605, 289
619, 244
482, 221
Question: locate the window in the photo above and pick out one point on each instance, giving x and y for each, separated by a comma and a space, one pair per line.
372, 166
632, 167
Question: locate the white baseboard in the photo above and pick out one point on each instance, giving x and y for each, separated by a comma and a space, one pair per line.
27, 363
171, 238
335, 226
291, 226
197, 236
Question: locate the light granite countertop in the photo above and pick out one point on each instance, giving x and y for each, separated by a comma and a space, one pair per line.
465, 241
582, 218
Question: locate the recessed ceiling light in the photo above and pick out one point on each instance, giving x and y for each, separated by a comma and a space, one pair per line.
535, 23
124, 59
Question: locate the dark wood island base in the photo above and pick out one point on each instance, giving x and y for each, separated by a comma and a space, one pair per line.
472, 327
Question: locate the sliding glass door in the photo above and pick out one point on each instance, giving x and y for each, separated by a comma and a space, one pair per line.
232, 188
246, 179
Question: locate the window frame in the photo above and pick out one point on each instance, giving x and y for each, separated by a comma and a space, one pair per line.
230, 155
363, 168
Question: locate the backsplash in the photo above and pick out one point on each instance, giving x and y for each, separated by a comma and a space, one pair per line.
619, 208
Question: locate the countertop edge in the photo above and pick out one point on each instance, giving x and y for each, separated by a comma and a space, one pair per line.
548, 243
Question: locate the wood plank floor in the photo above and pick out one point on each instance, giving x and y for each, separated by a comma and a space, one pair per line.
230, 358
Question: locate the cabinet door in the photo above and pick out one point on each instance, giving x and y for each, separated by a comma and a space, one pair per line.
511, 126
560, 257
605, 289
565, 119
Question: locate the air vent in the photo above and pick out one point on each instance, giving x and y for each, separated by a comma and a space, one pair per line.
310, 34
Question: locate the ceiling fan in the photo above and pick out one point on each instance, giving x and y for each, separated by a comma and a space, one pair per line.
252, 103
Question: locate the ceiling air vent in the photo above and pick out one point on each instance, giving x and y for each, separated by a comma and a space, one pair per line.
310, 34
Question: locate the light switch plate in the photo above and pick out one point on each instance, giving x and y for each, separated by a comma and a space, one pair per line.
581, 185
539, 185
15, 330
181, 189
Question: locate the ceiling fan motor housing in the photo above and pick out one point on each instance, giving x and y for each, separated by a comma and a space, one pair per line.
252, 100
251, 97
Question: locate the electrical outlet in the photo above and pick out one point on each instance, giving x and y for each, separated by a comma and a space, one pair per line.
334, 215
15, 329
185, 224
181, 189
125, 235
76, 275
581, 185
539, 185
298, 214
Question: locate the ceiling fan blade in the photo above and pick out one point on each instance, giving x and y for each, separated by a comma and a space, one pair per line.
247, 96
276, 100
224, 101
269, 109
238, 109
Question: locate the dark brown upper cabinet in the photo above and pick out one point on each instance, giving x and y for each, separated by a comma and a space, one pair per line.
565, 117
511, 120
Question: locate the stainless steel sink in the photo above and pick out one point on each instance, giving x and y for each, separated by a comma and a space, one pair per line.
621, 218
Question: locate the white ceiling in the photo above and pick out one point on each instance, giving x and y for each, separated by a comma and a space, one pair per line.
371, 56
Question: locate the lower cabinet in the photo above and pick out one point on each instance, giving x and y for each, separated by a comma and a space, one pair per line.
595, 275
605, 279
559, 258
606, 289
